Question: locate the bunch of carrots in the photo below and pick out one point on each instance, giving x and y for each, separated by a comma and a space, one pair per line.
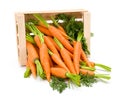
51, 52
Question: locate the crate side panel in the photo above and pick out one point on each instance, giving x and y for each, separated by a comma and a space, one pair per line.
21, 40
86, 20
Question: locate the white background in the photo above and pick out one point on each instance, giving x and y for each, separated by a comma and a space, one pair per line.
105, 23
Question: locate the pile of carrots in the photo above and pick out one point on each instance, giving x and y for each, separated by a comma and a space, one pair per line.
51, 52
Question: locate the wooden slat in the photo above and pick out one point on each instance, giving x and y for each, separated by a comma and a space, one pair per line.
86, 20
21, 40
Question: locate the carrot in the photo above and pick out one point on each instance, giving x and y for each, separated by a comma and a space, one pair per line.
44, 30
31, 51
85, 59
92, 64
85, 72
32, 66
66, 57
50, 45
58, 61
58, 72
63, 34
50, 61
57, 47
37, 41
70, 54
76, 56
44, 58
42, 24
55, 32
34, 57
61, 28
77, 53
62, 73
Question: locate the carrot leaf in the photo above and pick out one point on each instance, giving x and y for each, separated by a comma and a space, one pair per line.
87, 80
58, 84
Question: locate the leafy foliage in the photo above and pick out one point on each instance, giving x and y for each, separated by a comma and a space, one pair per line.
87, 80
72, 27
58, 84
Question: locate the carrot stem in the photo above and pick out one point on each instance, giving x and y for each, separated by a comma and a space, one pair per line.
79, 37
58, 42
103, 66
27, 72
88, 68
30, 38
34, 30
40, 71
74, 78
54, 21
50, 52
41, 19
104, 76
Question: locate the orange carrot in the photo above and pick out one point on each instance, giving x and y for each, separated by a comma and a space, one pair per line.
85, 59
61, 28
76, 56
32, 51
37, 41
32, 66
51, 39
66, 57
70, 54
44, 58
55, 32
58, 61
85, 72
63, 34
41, 24
50, 45
44, 30
50, 61
58, 72
62, 73
92, 64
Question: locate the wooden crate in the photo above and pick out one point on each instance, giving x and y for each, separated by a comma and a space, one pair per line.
22, 17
